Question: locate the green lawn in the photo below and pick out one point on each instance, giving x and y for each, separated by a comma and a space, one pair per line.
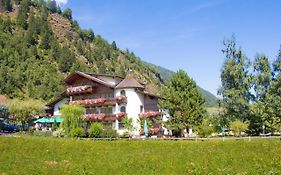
66, 156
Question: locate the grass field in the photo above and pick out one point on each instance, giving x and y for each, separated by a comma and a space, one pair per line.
65, 156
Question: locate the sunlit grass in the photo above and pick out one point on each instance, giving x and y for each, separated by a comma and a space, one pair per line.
60, 156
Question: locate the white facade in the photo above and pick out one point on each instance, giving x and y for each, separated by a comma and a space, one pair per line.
59, 105
133, 107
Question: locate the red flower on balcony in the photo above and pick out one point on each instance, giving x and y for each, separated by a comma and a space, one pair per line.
155, 130
121, 115
94, 117
100, 117
151, 114
78, 89
121, 99
99, 101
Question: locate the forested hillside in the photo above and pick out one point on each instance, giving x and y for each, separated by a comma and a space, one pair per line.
40, 45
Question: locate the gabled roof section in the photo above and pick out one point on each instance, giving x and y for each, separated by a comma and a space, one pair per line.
129, 82
149, 94
105, 75
72, 76
59, 98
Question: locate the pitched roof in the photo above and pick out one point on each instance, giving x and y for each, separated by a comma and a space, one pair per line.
129, 82
90, 77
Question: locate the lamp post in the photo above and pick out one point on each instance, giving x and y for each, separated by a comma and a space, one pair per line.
263, 127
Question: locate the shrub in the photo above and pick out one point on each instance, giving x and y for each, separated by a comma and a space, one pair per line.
42, 133
238, 126
30, 131
96, 130
77, 132
109, 133
59, 132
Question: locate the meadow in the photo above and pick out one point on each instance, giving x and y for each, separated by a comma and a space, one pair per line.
67, 156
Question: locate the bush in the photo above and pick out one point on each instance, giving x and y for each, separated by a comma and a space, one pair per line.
77, 132
238, 126
109, 133
59, 132
42, 133
96, 130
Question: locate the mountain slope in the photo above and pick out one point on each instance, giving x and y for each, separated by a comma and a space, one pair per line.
166, 74
40, 45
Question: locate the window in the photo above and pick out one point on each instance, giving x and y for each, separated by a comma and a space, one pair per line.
123, 93
123, 109
106, 110
141, 108
121, 125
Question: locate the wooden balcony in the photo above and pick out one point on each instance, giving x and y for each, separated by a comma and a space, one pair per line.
86, 89
121, 99
151, 114
106, 118
96, 102
121, 115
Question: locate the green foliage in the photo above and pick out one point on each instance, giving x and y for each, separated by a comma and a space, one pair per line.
109, 133
6, 4
128, 124
184, 102
96, 130
236, 84
71, 115
77, 132
23, 110
59, 132
113, 45
4, 111
67, 13
23, 14
206, 128
149, 122
52, 6
262, 77
259, 110
42, 133
71, 156
238, 127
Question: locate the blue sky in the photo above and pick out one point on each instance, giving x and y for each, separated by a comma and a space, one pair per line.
184, 34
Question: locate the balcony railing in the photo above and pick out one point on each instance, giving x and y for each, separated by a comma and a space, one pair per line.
101, 101
79, 90
108, 118
95, 102
121, 99
121, 115
151, 114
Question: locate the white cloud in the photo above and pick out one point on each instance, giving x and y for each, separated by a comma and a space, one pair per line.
61, 2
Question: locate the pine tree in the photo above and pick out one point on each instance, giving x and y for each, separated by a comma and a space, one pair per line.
52, 6
236, 84
277, 65
67, 13
262, 77
262, 80
6, 4
22, 14
30, 34
183, 101
113, 45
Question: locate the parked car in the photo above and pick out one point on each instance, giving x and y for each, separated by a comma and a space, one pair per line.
9, 128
